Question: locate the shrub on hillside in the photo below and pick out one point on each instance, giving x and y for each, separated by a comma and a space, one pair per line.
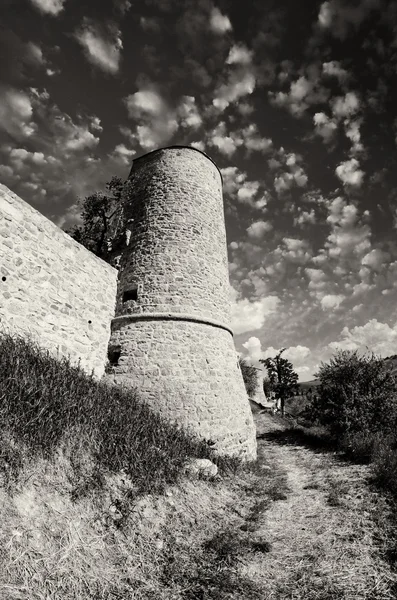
250, 377
45, 402
384, 458
357, 395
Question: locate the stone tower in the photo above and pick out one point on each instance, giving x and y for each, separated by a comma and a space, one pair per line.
172, 327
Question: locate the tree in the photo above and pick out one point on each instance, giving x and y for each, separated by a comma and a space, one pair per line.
357, 394
282, 377
103, 228
250, 377
267, 387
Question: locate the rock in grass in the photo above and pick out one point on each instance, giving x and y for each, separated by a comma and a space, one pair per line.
200, 468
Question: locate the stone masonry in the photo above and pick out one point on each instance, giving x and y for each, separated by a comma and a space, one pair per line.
52, 288
171, 336
170, 329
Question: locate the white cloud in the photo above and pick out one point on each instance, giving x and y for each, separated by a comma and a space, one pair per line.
60, 164
219, 23
349, 173
233, 178
373, 336
123, 154
295, 354
324, 126
338, 17
251, 315
283, 182
102, 48
258, 229
123, 5
247, 191
50, 7
305, 217
294, 177
303, 93
157, 121
150, 24
199, 145
253, 347
334, 69
187, 113
345, 106
16, 112
240, 78
294, 250
294, 100
35, 54
349, 237
245, 109
253, 141
96, 124
239, 55
376, 259
342, 214
317, 278
240, 83
52, 72
226, 144
6, 171
72, 137
236, 185
325, 14
352, 131
331, 301
19, 156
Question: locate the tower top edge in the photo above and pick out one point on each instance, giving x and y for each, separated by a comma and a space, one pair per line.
144, 156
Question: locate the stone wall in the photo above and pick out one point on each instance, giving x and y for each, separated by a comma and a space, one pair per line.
189, 372
177, 256
171, 333
52, 288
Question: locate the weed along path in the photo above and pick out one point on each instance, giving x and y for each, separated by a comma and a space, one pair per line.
324, 526
300, 525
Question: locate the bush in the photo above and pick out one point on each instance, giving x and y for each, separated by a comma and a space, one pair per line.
250, 377
384, 458
357, 395
45, 402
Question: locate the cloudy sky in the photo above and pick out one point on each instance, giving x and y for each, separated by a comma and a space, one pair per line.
293, 100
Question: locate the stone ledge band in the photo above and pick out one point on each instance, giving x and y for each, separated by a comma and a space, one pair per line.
172, 317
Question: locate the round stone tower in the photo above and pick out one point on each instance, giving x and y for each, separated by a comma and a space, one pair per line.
172, 326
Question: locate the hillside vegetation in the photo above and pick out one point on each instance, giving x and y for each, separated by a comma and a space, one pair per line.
96, 503
354, 406
94, 498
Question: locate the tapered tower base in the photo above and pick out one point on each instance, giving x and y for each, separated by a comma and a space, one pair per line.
173, 307
188, 372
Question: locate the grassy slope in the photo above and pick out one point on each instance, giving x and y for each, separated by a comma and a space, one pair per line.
93, 497
46, 404
76, 524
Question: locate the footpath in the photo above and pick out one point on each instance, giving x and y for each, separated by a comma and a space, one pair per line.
327, 527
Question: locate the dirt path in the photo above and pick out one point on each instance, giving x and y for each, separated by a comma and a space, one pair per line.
322, 535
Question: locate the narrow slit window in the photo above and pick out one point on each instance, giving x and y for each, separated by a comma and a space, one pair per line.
114, 353
131, 294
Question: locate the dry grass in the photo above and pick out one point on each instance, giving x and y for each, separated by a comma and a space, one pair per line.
326, 542
46, 403
299, 525
183, 544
